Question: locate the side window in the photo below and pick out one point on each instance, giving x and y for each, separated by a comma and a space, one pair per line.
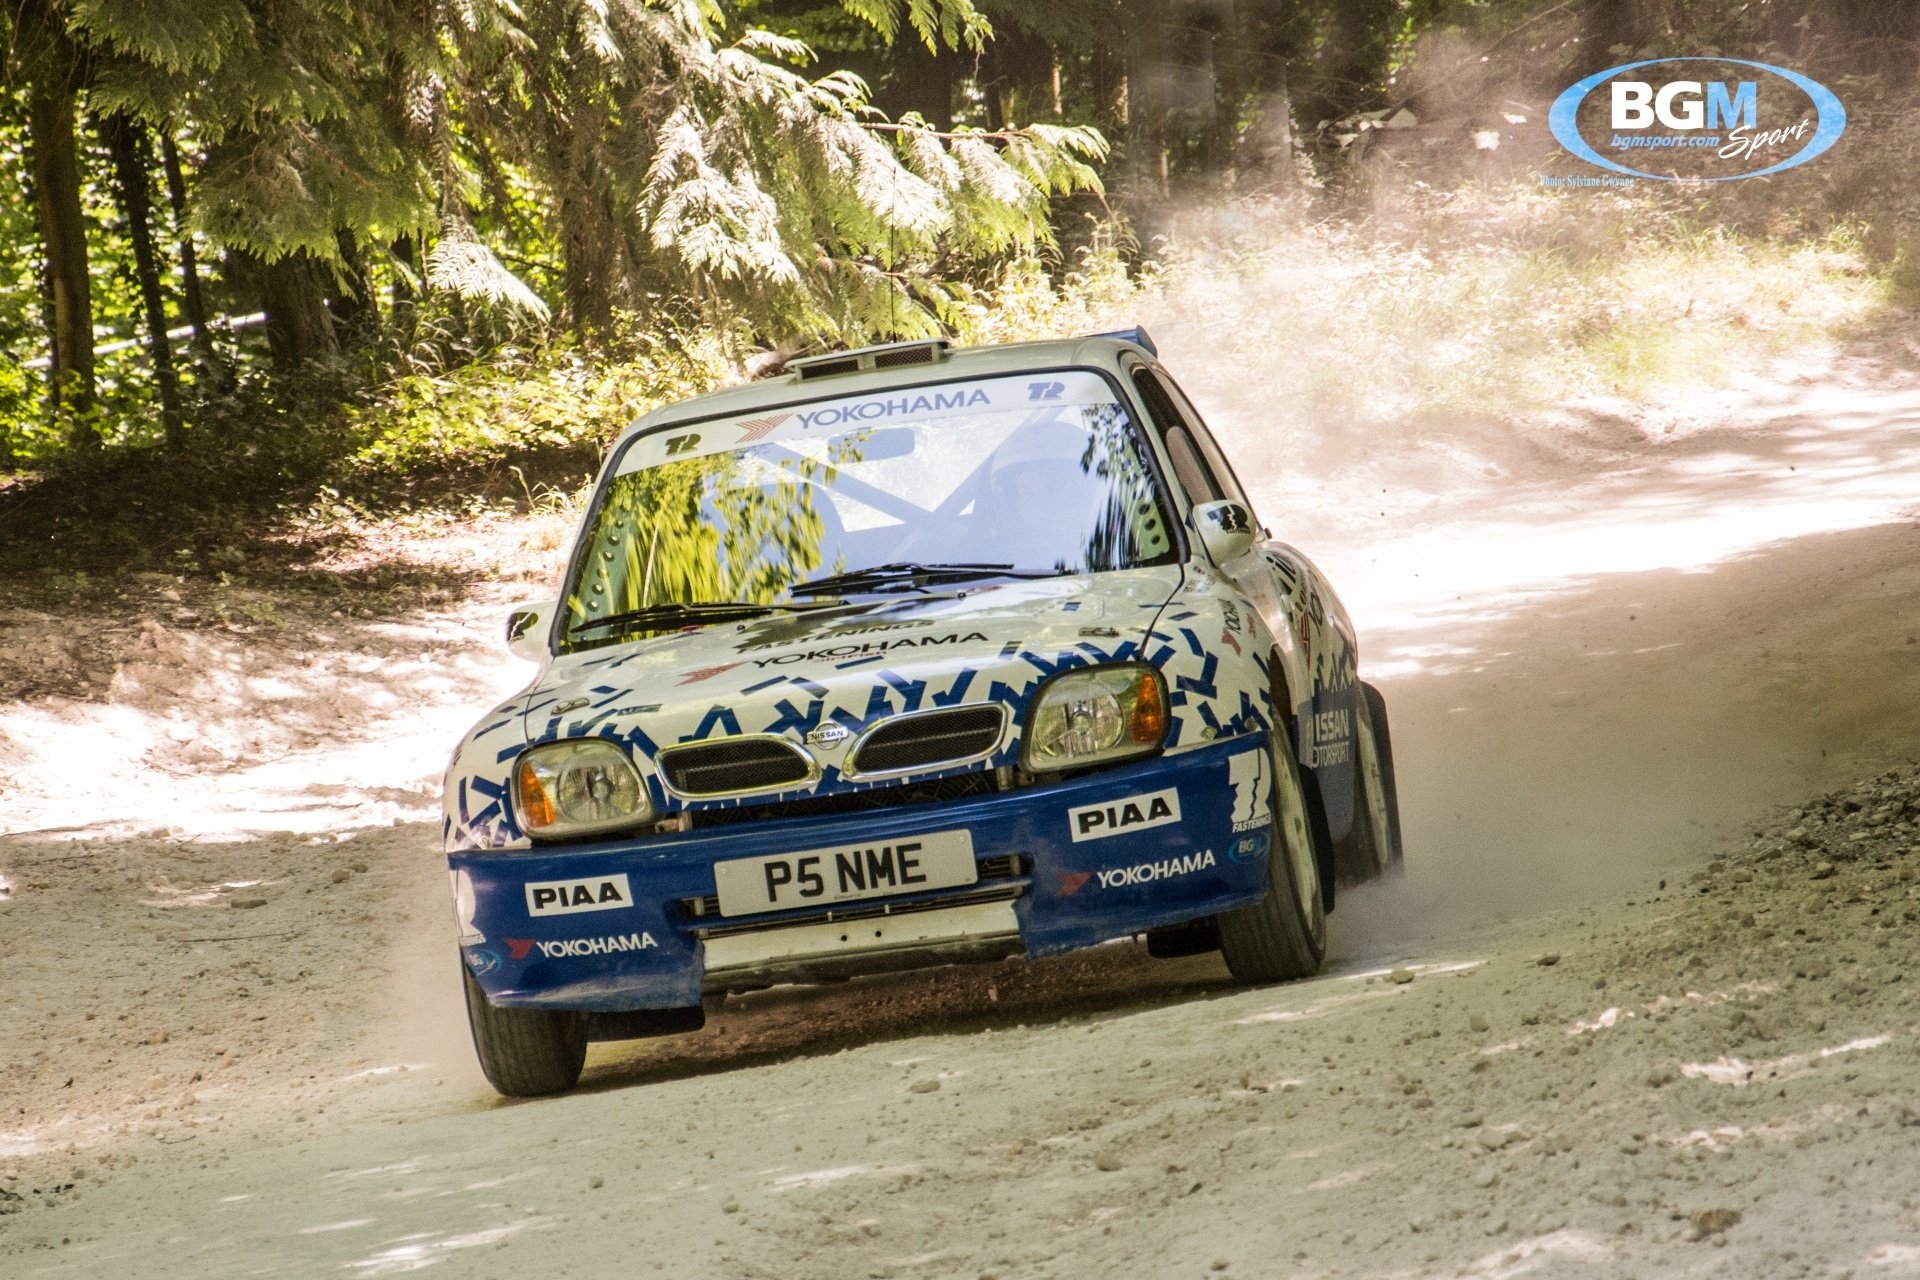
1189, 467
1217, 464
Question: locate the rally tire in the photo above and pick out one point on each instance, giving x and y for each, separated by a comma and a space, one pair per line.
1283, 936
1376, 818
525, 1053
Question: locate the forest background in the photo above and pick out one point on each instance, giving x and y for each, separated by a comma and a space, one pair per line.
279, 265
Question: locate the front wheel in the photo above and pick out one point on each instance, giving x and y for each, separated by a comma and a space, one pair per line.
525, 1053
1284, 935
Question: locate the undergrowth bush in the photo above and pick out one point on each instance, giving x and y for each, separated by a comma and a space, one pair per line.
486, 414
1330, 327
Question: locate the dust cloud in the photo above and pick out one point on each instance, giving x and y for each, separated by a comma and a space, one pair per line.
1607, 639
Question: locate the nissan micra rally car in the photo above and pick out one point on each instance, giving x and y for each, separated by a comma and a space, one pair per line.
910, 656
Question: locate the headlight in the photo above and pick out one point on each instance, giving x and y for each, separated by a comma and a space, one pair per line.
573, 788
1095, 715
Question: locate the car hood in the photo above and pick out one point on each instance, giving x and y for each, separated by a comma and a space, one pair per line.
789, 673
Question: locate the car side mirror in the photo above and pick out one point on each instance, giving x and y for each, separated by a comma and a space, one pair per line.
1225, 528
527, 628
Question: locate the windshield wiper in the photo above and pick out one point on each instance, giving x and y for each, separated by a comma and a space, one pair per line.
675, 611
906, 574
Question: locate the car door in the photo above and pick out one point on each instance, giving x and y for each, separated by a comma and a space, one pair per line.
1288, 591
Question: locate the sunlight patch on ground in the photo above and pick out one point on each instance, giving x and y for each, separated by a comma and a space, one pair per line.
1793, 1127
1420, 970
1348, 1177
1904, 1256
821, 1177
1713, 1140
378, 1171
1733, 1071
304, 742
1607, 1018
1315, 1008
170, 896
420, 1254
17, 1143
377, 1072
1527, 1255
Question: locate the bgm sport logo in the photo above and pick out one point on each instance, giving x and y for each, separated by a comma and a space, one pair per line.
1705, 119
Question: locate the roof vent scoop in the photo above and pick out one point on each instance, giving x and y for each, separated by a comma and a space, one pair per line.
1136, 335
893, 355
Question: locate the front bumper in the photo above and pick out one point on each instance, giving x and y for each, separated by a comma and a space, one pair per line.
1064, 865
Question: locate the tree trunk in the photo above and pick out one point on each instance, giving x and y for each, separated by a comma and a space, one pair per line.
1015, 74
405, 297
1353, 64
192, 303
1148, 81
293, 292
351, 303
56, 178
917, 80
54, 71
589, 238
1610, 24
1276, 132
1107, 73
1219, 115
127, 143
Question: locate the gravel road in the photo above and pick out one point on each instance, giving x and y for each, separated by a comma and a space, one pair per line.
1644, 1004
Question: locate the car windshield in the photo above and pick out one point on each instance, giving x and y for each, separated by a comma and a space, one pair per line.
911, 489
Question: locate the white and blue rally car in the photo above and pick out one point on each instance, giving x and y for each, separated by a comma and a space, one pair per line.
910, 656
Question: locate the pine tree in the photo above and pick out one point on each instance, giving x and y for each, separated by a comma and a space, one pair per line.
42, 53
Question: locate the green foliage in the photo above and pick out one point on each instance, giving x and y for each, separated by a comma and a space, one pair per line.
21, 260
475, 177
953, 24
786, 198
486, 415
1903, 277
462, 264
178, 36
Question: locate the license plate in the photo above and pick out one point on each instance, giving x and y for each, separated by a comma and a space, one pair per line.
844, 873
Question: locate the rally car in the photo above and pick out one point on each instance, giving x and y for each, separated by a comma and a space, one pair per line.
913, 655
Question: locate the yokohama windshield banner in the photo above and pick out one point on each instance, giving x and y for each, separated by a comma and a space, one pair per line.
828, 418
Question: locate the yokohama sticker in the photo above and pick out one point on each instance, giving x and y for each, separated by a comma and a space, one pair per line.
570, 897
1148, 872
569, 948
1135, 813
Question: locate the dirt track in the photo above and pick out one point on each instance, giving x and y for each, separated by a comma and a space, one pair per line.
1606, 667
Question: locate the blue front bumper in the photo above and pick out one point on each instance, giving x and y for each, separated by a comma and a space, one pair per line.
635, 945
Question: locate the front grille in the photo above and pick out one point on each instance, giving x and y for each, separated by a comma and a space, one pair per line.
728, 766
925, 740
960, 787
